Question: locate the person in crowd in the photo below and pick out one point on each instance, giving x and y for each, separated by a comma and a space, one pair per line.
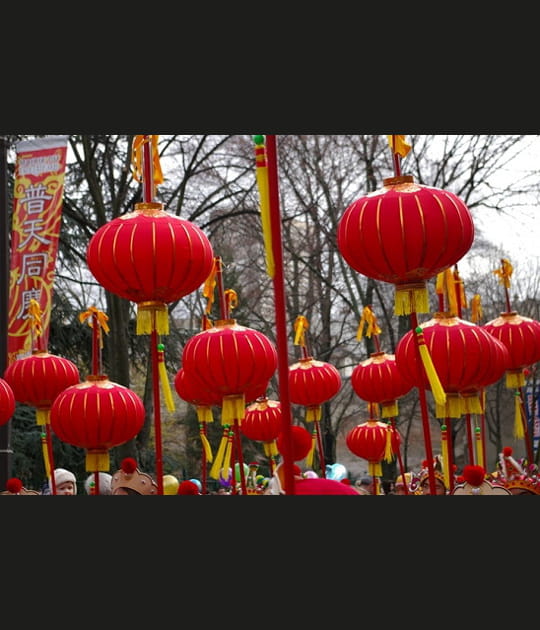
103, 485
65, 482
440, 484
130, 480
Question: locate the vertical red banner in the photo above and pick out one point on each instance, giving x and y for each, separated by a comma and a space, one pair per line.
37, 215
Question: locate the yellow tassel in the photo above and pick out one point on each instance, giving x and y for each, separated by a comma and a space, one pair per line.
97, 460
261, 173
233, 408
206, 446
388, 453
311, 454
164, 379
313, 414
43, 416
445, 455
504, 273
150, 315
389, 409
271, 449
408, 300
216, 467
204, 413
375, 469
471, 403
228, 454
433, 378
515, 379
519, 432
479, 449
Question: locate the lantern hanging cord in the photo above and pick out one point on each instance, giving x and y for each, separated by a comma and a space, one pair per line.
400, 149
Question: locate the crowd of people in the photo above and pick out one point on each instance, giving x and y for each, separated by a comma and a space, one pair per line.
512, 476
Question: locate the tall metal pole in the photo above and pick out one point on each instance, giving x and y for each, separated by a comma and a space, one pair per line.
6, 454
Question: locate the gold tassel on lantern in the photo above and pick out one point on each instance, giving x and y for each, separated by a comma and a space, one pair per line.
311, 454
204, 413
519, 432
300, 326
411, 298
313, 413
43, 416
515, 379
97, 460
375, 469
398, 144
388, 453
217, 465
150, 316
445, 455
233, 408
370, 322
476, 309
504, 273
205, 444
164, 379
436, 387
270, 449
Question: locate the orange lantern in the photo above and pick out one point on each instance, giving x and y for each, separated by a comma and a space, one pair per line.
150, 257
97, 415
404, 234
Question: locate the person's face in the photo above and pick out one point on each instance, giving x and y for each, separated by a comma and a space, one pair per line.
66, 488
439, 487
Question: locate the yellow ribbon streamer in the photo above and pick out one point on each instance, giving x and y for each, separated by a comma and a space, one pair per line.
102, 320
504, 273
369, 321
476, 309
301, 324
137, 158
34, 311
398, 145
209, 287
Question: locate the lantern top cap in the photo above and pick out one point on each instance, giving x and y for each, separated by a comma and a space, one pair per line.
400, 179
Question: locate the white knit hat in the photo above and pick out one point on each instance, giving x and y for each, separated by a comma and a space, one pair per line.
61, 475
104, 483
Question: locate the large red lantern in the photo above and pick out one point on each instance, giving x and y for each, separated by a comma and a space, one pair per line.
150, 257
379, 380
373, 441
521, 336
231, 361
7, 402
465, 356
36, 380
404, 234
97, 415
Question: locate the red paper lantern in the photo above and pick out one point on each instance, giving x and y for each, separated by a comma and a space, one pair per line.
97, 415
263, 420
465, 356
36, 380
191, 390
378, 380
404, 234
7, 402
150, 257
311, 383
373, 441
232, 361
521, 336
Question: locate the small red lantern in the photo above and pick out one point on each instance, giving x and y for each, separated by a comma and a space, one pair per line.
97, 415
373, 441
263, 423
311, 383
404, 234
150, 257
378, 380
465, 358
521, 336
36, 380
7, 402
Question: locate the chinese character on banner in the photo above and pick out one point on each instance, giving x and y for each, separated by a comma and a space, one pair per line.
37, 214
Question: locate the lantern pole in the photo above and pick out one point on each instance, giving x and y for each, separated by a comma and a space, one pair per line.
5, 430
280, 314
148, 195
